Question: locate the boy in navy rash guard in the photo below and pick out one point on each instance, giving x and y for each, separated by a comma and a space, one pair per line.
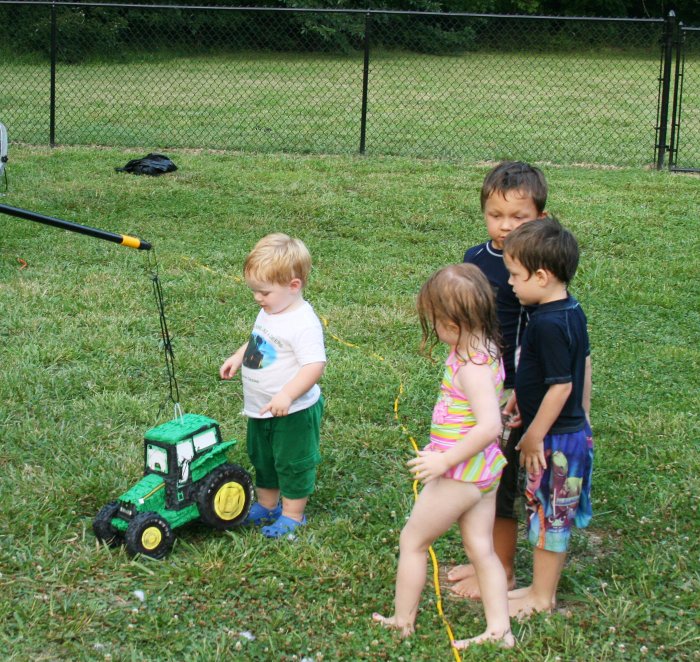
513, 193
552, 390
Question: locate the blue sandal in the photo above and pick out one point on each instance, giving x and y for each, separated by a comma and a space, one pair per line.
258, 514
282, 526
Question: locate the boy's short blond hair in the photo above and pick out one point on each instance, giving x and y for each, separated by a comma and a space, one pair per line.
278, 258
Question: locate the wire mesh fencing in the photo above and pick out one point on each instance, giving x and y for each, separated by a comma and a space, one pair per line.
685, 139
401, 83
198, 77
544, 89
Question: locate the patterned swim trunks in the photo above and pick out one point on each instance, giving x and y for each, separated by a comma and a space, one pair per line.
560, 496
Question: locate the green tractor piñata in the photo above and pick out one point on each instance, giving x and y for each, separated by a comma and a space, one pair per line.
186, 477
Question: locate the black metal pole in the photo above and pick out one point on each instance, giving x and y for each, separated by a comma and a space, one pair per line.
365, 84
52, 109
123, 239
669, 32
675, 106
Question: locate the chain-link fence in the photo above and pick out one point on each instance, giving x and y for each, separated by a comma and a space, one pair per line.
685, 133
420, 84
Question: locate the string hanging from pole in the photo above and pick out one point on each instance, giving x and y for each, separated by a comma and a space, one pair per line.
174, 394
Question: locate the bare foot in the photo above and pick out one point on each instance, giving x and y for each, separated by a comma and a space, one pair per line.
514, 594
523, 603
504, 640
467, 588
391, 622
460, 572
466, 585
518, 592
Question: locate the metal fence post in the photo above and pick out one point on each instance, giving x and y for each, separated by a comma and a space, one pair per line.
365, 83
677, 95
669, 33
52, 109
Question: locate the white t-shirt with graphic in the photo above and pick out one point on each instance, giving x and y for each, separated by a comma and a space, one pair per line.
279, 346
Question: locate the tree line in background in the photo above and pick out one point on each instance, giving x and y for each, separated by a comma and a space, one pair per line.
98, 31
688, 10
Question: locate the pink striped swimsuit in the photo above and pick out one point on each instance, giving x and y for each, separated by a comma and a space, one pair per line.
452, 419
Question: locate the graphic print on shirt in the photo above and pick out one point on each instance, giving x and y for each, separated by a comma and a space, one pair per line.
259, 353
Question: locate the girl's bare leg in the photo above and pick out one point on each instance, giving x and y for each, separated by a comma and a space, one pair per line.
505, 537
477, 534
440, 504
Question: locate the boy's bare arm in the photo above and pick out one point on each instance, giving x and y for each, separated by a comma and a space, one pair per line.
307, 376
532, 443
587, 388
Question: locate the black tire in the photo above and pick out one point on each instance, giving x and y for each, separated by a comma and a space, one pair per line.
102, 525
225, 497
149, 534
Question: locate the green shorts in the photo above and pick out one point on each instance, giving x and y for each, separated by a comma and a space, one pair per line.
285, 451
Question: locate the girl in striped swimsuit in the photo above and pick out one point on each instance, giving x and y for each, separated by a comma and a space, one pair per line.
461, 466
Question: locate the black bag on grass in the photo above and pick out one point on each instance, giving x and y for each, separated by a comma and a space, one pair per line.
151, 164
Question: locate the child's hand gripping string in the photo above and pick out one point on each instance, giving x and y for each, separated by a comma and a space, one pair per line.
511, 413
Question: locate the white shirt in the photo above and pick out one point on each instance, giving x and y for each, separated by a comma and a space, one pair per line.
279, 346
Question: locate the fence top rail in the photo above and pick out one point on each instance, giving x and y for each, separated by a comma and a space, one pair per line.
311, 10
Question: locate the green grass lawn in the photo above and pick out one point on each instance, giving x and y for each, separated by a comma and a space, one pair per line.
83, 378
559, 107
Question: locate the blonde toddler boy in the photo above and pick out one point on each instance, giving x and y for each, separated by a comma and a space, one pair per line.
281, 362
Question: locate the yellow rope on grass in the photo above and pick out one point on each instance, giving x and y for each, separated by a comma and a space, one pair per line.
433, 557
431, 551
225, 274
345, 342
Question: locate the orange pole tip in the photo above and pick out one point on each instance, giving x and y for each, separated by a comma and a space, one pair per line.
131, 242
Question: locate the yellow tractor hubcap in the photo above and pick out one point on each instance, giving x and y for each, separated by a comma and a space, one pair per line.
151, 538
229, 501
